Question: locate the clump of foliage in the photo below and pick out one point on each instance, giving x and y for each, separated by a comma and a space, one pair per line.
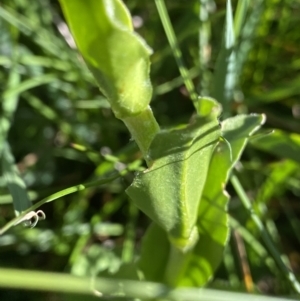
57, 130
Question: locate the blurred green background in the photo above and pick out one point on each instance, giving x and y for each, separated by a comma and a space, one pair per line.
58, 108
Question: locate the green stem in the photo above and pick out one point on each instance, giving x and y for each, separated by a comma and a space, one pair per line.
264, 234
143, 128
130, 235
177, 262
58, 195
114, 289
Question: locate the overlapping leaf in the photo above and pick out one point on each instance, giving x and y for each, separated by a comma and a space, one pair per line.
169, 191
199, 264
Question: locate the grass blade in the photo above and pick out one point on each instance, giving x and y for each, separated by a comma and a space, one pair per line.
49, 42
290, 276
224, 79
11, 176
165, 19
57, 195
240, 16
281, 144
14, 182
204, 45
29, 84
247, 33
254, 244
9, 102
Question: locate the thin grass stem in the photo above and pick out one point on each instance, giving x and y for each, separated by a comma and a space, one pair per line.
165, 19
290, 276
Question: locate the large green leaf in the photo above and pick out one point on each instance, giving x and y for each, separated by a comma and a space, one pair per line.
169, 191
198, 265
117, 56
213, 219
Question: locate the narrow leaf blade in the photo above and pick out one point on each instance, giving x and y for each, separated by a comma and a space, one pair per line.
14, 182
224, 79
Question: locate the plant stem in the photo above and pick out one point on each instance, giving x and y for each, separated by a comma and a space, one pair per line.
57, 195
143, 128
114, 289
264, 234
177, 262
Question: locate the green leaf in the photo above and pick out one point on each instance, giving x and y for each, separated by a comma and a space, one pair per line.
29, 84
169, 191
198, 265
224, 79
238, 129
14, 182
117, 56
213, 219
278, 175
280, 144
207, 105
282, 90
57, 195
9, 101
153, 259
172, 39
247, 33
240, 16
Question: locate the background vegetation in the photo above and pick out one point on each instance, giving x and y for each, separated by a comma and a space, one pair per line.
63, 133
